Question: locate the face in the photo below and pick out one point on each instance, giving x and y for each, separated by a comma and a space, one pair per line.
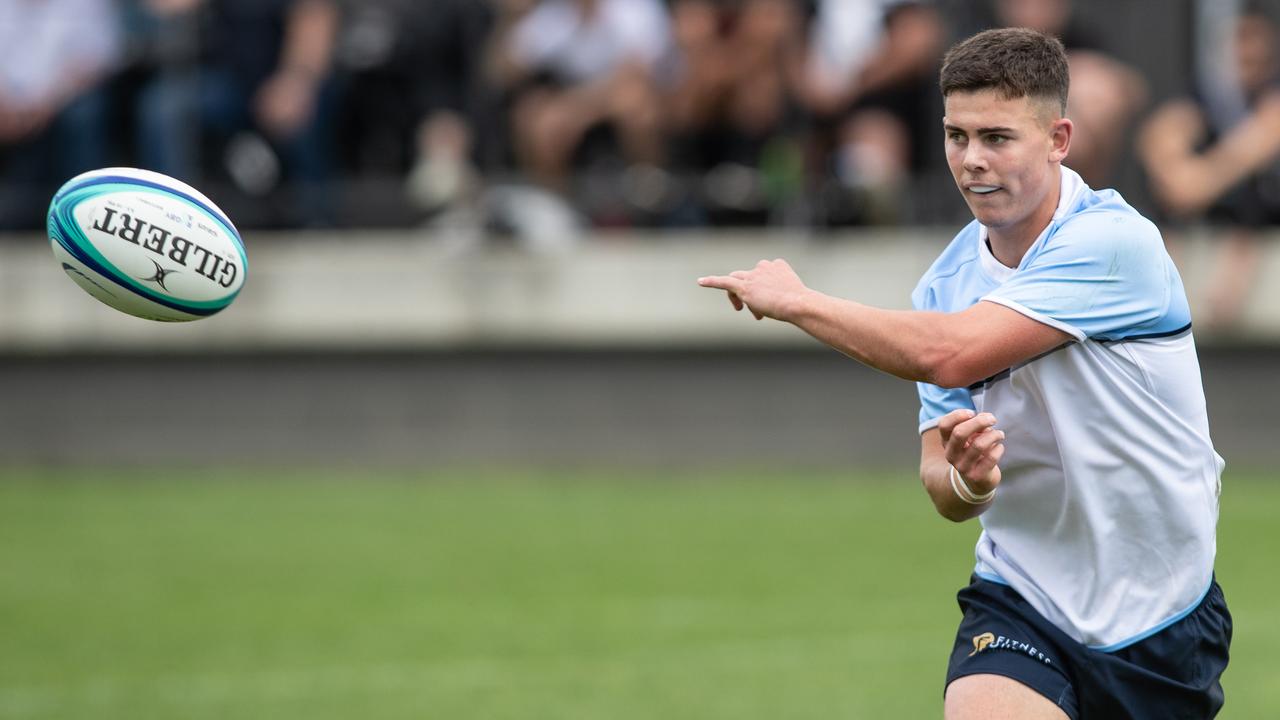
1004, 156
1255, 56
1047, 16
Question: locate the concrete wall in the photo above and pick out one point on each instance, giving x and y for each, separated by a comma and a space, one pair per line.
353, 290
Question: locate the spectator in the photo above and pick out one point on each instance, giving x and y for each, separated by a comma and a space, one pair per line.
571, 66
256, 89
1106, 94
1214, 155
413, 100
867, 80
729, 103
54, 58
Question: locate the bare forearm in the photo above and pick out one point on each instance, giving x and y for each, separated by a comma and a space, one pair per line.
976, 447
309, 40
908, 344
911, 48
1248, 148
936, 477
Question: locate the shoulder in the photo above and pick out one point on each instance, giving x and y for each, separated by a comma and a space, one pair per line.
949, 269
1104, 223
1103, 270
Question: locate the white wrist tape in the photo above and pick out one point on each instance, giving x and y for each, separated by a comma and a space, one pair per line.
964, 492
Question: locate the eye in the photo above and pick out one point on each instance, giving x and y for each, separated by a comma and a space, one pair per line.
956, 137
997, 139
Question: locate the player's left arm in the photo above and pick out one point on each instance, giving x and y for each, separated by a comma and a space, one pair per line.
944, 349
964, 447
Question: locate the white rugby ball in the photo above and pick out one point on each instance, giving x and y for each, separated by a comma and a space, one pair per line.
146, 244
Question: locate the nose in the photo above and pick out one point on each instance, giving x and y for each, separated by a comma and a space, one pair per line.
975, 158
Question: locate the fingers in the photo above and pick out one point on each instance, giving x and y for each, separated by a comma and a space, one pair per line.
975, 446
963, 432
736, 280
985, 442
731, 284
737, 304
947, 424
722, 282
765, 290
985, 466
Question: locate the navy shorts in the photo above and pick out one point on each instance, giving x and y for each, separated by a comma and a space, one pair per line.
1174, 674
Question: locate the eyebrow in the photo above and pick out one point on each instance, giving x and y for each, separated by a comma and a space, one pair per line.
980, 131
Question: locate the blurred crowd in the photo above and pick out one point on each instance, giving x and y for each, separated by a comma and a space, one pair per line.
519, 114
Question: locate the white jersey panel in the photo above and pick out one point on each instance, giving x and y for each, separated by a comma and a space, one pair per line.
1107, 512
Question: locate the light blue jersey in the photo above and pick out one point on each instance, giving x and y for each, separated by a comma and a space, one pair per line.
1105, 520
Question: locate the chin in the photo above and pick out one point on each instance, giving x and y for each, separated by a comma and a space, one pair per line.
986, 217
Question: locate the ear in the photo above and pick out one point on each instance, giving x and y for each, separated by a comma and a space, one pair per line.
1060, 139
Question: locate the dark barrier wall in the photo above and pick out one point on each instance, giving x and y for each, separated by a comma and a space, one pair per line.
651, 408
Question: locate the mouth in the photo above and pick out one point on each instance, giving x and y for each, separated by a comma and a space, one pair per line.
982, 189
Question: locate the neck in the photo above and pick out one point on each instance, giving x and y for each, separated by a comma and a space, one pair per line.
1009, 244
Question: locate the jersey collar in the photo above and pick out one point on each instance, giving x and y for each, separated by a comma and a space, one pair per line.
1072, 191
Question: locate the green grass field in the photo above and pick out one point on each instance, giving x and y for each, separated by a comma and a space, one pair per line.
477, 595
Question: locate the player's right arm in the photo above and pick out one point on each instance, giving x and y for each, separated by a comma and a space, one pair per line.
946, 349
970, 443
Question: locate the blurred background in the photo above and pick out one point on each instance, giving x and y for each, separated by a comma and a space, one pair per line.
471, 442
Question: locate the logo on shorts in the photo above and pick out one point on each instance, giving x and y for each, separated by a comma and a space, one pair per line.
991, 641
980, 642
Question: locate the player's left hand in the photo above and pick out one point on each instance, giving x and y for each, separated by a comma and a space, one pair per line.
769, 290
973, 446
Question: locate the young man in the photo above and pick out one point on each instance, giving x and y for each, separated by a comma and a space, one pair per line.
1060, 401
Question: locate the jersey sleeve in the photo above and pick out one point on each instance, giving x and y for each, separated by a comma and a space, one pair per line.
1102, 275
935, 401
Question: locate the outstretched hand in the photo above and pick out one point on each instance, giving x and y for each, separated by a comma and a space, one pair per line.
771, 289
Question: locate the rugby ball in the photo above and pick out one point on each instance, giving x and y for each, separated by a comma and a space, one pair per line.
146, 244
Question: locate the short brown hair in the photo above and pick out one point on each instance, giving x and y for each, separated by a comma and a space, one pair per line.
1017, 62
